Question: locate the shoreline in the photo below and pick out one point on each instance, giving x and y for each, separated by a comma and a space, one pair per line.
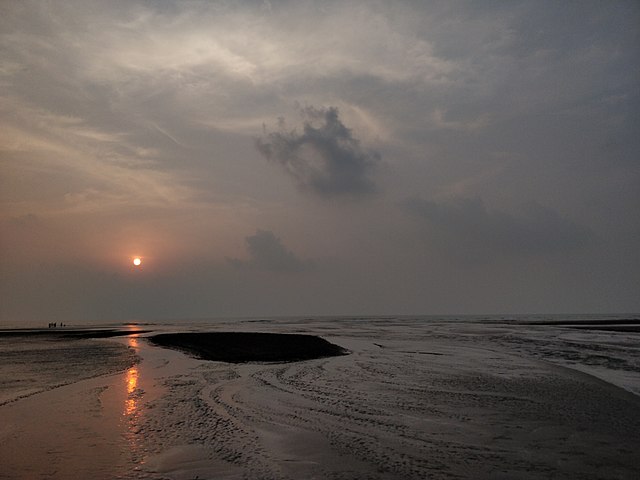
70, 333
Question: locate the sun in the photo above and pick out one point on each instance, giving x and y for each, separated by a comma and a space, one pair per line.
137, 261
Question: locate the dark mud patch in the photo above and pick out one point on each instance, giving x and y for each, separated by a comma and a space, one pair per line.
243, 347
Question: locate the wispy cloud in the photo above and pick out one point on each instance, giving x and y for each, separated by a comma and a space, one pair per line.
100, 161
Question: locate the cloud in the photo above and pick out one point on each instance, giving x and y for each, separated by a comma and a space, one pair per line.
129, 127
467, 226
266, 252
325, 158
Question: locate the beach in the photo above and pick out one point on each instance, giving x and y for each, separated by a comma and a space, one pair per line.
412, 398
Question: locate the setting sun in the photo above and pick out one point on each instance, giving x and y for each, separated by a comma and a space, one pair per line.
137, 261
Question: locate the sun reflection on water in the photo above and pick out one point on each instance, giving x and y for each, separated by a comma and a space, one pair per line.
132, 385
131, 379
133, 411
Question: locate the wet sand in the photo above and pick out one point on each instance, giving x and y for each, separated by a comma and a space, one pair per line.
87, 428
410, 401
392, 413
73, 431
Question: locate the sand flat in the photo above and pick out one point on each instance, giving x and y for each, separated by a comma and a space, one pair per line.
410, 401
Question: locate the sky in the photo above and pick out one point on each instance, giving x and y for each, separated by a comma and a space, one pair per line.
318, 158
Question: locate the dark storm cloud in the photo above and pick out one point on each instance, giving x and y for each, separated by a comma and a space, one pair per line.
466, 225
266, 252
325, 158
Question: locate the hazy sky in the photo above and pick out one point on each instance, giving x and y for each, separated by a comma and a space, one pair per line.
292, 157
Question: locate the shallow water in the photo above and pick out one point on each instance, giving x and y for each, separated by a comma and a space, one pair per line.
32, 364
414, 399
